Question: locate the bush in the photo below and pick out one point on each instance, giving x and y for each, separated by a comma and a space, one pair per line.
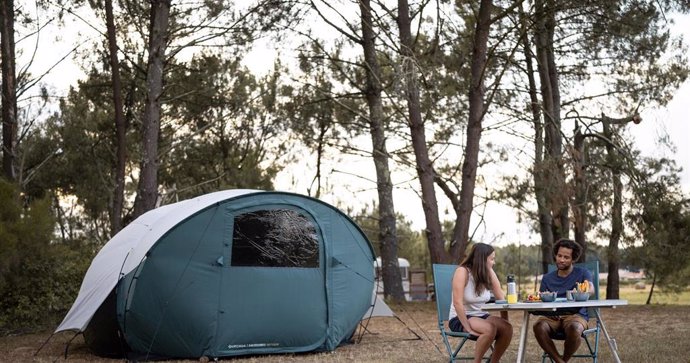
39, 279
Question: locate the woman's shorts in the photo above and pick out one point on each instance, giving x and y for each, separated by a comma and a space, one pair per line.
456, 326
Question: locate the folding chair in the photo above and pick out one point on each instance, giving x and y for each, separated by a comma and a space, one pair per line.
443, 277
592, 345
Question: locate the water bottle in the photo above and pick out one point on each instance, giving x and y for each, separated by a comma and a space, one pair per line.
512, 290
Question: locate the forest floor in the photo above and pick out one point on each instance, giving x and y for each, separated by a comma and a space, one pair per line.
654, 333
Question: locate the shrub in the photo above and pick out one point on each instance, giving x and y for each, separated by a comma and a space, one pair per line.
39, 279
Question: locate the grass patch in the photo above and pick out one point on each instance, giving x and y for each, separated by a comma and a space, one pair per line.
644, 334
639, 297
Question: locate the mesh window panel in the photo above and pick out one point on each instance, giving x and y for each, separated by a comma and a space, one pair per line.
274, 238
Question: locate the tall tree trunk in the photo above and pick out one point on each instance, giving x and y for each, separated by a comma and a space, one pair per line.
612, 282
544, 215
9, 91
321, 144
554, 175
120, 126
651, 290
147, 191
425, 170
581, 186
474, 130
555, 144
392, 281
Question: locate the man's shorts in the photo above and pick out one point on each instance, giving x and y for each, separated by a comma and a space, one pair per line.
559, 322
456, 326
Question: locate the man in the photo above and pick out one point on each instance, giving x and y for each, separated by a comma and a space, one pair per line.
563, 279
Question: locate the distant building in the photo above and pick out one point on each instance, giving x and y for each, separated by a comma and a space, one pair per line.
413, 281
625, 275
404, 273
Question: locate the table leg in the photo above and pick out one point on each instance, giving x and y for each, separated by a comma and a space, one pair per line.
612, 343
523, 338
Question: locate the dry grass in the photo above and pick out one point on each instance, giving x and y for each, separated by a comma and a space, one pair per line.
639, 296
643, 333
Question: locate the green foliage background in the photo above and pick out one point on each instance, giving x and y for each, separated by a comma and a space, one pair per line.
39, 279
223, 126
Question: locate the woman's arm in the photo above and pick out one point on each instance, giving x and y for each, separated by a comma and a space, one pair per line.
496, 286
498, 292
460, 279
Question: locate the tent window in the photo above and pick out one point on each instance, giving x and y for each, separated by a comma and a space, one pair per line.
274, 238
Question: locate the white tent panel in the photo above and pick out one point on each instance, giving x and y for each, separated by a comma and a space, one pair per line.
125, 250
378, 308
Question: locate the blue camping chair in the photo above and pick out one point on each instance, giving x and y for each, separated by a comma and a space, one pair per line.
590, 335
443, 277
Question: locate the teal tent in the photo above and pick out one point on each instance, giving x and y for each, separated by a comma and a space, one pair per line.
228, 273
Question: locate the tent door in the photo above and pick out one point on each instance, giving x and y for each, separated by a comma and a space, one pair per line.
272, 294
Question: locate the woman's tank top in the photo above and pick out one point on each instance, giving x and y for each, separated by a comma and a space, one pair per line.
471, 300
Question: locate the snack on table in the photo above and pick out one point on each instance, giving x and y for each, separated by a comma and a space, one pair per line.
581, 296
533, 298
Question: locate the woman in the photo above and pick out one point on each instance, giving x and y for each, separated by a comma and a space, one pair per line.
471, 285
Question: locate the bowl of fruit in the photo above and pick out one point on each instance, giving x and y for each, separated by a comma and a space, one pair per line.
581, 292
581, 295
547, 296
533, 298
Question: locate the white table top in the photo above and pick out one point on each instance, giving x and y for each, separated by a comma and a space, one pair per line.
554, 305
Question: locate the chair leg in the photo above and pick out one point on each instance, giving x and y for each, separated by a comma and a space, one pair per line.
488, 359
592, 352
447, 344
453, 354
544, 356
457, 350
596, 346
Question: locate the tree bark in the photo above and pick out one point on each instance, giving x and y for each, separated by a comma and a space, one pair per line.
474, 130
320, 147
425, 170
555, 192
392, 281
543, 213
147, 191
613, 279
9, 91
120, 126
651, 291
581, 186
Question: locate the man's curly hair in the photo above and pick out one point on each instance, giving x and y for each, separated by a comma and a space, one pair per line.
569, 244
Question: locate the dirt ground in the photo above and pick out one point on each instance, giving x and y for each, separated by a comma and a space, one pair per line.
643, 334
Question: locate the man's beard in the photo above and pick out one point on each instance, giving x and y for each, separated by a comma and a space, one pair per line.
565, 266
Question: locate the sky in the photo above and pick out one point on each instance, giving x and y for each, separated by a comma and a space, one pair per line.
501, 225
352, 178
672, 120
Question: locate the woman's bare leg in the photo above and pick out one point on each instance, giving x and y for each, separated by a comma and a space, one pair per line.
504, 333
487, 334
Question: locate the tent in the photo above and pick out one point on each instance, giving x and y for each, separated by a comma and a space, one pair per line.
378, 308
228, 273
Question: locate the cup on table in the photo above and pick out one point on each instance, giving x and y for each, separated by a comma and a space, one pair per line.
569, 295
